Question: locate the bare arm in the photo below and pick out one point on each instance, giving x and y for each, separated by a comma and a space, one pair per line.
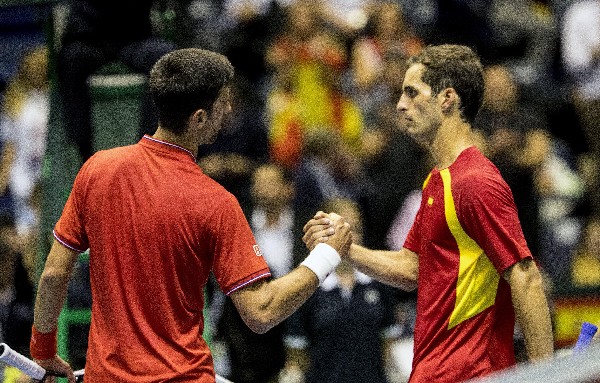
395, 268
52, 289
51, 295
531, 308
265, 304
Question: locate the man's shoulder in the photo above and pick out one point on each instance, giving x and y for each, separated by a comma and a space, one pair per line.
109, 161
473, 165
112, 154
476, 173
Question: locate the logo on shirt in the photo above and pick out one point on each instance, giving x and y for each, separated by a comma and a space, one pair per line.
430, 201
257, 251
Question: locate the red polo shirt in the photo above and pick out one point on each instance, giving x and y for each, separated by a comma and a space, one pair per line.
155, 226
466, 233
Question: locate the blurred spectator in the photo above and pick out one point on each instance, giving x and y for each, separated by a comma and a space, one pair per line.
422, 15
560, 188
403, 220
505, 120
188, 23
585, 272
464, 22
240, 147
581, 57
390, 159
387, 37
343, 332
249, 27
346, 16
525, 36
327, 170
308, 60
406, 311
99, 32
539, 168
23, 126
407, 212
286, 134
272, 217
16, 290
258, 358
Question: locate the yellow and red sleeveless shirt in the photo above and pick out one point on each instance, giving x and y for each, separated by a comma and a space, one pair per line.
466, 233
156, 226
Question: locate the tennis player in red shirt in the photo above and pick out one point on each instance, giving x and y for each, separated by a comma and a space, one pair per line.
466, 252
156, 226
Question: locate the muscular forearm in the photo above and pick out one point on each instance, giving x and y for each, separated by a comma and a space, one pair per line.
396, 268
52, 288
263, 305
51, 295
531, 310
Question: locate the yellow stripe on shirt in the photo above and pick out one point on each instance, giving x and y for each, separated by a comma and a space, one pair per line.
478, 280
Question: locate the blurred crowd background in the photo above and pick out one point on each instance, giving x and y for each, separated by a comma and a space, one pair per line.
314, 126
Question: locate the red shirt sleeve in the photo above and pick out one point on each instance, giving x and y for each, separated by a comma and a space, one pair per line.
412, 241
238, 260
488, 214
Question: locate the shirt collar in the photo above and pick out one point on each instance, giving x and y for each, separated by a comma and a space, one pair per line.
164, 145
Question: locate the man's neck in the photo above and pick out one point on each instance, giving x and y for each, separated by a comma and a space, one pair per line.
454, 136
185, 140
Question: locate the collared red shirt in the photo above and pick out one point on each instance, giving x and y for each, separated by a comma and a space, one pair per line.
466, 234
156, 226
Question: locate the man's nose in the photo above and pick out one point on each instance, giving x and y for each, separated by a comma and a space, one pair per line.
401, 106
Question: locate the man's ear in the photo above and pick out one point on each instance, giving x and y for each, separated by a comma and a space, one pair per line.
449, 99
200, 116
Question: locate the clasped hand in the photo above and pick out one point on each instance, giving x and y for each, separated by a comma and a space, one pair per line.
328, 228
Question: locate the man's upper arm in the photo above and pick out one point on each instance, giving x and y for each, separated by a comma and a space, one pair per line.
61, 259
521, 273
531, 308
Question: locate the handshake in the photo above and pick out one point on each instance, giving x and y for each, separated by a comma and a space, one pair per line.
331, 229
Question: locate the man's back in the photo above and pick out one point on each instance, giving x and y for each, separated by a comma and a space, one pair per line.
152, 221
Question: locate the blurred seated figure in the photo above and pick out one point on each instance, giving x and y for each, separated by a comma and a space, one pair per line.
539, 168
580, 43
98, 32
23, 127
344, 332
505, 121
240, 147
387, 40
307, 62
16, 290
252, 357
585, 271
327, 170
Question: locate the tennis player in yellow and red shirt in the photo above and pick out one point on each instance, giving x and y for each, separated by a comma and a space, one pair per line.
465, 253
156, 226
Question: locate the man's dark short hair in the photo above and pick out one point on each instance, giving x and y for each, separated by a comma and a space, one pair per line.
186, 80
457, 67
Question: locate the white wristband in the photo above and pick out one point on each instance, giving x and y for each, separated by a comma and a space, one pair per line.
322, 260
